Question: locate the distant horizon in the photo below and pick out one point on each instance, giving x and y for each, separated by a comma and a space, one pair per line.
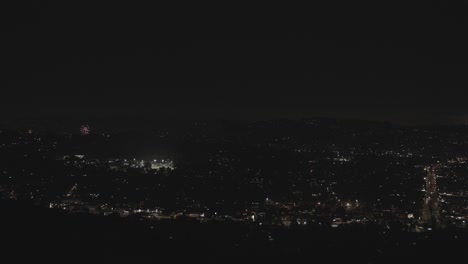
128, 123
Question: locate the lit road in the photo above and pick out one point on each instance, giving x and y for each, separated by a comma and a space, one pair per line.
431, 210
72, 189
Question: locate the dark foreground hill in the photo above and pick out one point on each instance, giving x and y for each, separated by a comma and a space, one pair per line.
31, 231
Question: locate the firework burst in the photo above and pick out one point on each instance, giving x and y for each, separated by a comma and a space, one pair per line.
85, 130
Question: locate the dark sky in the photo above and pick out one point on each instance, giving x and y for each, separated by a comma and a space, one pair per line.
86, 61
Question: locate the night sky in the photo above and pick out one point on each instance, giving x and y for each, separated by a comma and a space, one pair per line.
86, 61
